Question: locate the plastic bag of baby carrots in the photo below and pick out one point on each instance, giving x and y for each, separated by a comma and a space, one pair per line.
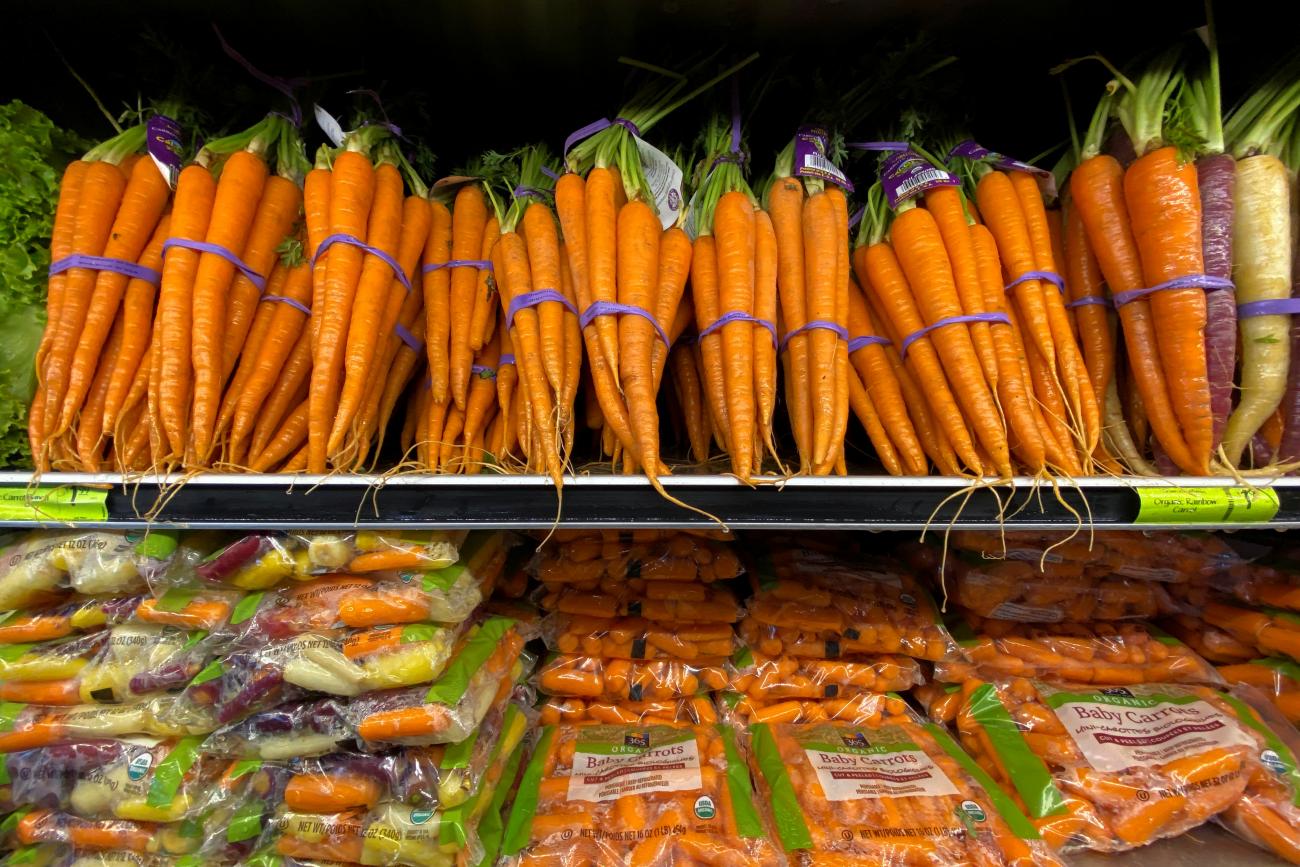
125, 662
1163, 556
742, 710
1098, 652
90, 835
769, 678
1275, 677
378, 550
483, 671
1269, 630
39, 567
29, 726
892, 790
138, 780
1268, 814
1019, 590
394, 832
939, 701
679, 556
636, 795
627, 679
1211, 642
1112, 768
653, 600
638, 638
598, 711
810, 603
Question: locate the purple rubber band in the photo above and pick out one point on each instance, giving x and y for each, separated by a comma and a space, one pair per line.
738, 316
857, 216
483, 372
506, 358
1048, 276
1275, 307
868, 340
1193, 281
284, 85
284, 299
555, 176
521, 191
217, 250
405, 335
104, 263
612, 308
815, 325
596, 126
480, 264
950, 320
1087, 300
532, 299
374, 251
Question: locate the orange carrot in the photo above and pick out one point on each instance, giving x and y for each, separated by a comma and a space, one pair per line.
138, 308
821, 267
638, 236
704, 292
141, 207
786, 204
243, 177
468, 222
734, 240
351, 194
600, 219
437, 300
191, 214
920, 249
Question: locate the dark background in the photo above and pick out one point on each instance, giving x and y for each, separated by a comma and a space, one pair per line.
478, 74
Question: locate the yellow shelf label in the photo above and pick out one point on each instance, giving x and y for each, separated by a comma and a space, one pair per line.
53, 505
1212, 505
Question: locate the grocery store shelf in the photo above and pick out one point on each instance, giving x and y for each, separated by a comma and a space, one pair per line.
529, 502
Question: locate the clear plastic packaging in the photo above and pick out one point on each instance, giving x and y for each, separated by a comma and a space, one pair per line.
140, 780
584, 561
699, 710
1110, 769
1163, 556
627, 680
1211, 642
153, 838
1102, 653
28, 726
861, 708
638, 638
317, 553
135, 661
483, 671
1275, 677
893, 792
36, 568
1268, 630
810, 603
1268, 814
293, 730
939, 701
1019, 590
625, 795
768, 678
653, 600
393, 832
75, 615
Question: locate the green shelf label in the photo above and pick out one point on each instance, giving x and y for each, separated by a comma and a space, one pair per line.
19, 503
1210, 505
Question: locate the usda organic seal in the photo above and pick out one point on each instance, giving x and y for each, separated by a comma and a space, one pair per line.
974, 811
139, 765
704, 807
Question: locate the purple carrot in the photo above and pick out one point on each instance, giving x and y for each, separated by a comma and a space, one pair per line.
1289, 447
1216, 174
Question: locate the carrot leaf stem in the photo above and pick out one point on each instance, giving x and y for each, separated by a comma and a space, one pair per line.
115, 149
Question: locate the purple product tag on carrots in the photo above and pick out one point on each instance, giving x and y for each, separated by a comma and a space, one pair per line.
810, 160
163, 141
971, 150
905, 174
